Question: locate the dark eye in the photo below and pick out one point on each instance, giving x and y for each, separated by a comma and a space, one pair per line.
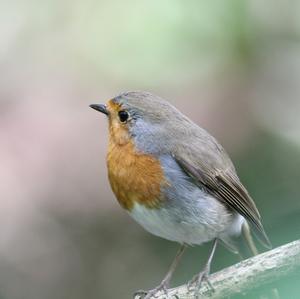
123, 116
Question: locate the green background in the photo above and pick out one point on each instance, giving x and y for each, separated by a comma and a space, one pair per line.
232, 66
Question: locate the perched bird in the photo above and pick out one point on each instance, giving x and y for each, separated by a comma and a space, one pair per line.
176, 180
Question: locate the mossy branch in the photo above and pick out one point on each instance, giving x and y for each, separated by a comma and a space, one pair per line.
247, 275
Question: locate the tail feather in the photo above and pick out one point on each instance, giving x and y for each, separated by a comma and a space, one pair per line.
248, 240
247, 248
260, 235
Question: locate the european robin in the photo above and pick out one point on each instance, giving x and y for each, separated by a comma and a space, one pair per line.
176, 180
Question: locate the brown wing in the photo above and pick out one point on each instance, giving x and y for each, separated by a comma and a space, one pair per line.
226, 187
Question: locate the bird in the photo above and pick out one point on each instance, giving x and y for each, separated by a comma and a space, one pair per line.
177, 181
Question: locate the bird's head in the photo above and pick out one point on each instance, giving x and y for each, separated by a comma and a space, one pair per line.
141, 117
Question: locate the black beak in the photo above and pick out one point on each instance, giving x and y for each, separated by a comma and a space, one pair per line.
100, 107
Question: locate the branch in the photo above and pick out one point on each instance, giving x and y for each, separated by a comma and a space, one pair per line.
248, 275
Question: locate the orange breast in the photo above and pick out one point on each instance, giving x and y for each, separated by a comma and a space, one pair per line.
134, 177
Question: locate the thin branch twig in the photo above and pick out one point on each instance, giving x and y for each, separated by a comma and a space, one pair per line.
247, 275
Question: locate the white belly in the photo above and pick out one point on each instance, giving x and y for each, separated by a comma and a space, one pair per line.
200, 225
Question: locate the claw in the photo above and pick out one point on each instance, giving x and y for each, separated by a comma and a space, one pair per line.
140, 294
163, 287
196, 283
152, 293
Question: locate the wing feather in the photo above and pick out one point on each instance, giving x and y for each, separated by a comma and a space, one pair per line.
226, 187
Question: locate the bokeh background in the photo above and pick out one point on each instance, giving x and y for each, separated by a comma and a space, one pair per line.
232, 66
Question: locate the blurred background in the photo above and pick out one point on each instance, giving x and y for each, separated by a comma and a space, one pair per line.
232, 66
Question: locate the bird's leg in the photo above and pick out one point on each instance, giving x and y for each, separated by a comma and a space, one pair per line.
164, 285
203, 275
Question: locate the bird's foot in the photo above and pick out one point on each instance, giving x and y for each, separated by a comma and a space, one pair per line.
162, 288
196, 283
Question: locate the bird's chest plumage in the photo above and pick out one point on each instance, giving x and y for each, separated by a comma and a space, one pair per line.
134, 177
158, 196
